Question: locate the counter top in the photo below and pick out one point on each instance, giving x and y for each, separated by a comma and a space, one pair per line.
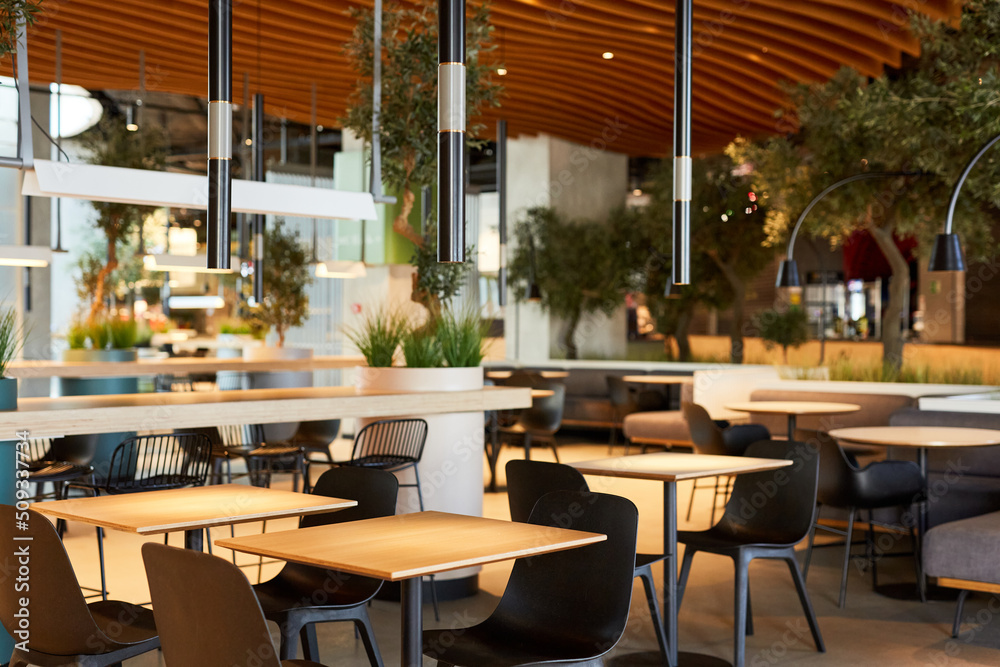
174, 366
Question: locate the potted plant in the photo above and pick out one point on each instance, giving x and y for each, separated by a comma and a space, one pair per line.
11, 340
789, 328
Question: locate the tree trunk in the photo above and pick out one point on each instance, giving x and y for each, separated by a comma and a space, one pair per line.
281, 336
784, 355
899, 286
569, 333
97, 303
681, 335
739, 307
401, 223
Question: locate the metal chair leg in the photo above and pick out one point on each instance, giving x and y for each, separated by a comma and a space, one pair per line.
100, 556
847, 558
682, 579
956, 627
809, 551
742, 563
310, 647
646, 575
807, 608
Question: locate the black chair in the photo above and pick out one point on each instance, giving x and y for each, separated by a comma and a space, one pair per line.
749, 529
709, 437
315, 438
64, 629
300, 596
528, 481
262, 459
45, 468
844, 485
206, 611
150, 463
555, 608
394, 445
540, 422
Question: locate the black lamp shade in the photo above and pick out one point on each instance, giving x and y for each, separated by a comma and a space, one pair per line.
947, 254
672, 291
533, 293
788, 274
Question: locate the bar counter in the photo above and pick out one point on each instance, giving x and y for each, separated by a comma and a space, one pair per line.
77, 415
174, 366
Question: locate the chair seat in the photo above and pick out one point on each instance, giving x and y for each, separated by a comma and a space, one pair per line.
296, 587
721, 539
964, 549
380, 461
642, 560
111, 614
274, 450
496, 645
59, 471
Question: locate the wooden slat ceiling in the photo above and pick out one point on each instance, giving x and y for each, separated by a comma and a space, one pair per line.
558, 82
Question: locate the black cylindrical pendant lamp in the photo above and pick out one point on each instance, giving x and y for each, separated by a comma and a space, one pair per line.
682, 144
501, 156
451, 131
257, 221
220, 132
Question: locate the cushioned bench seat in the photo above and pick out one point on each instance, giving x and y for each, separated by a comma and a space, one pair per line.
661, 427
964, 555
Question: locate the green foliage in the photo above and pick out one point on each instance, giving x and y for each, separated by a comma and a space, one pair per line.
422, 349
286, 276
437, 282
380, 333
789, 328
461, 336
122, 334
99, 334
13, 12
235, 329
581, 267
11, 338
77, 335
844, 369
409, 86
119, 282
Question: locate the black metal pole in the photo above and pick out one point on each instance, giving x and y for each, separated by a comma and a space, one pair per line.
682, 144
502, 197
27, 242
258, 220
451, 131
220, 132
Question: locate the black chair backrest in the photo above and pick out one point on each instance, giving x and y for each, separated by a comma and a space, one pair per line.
39, 450
527, 481
206, 612
618, 392
837, 486
241, 435
546, 412
395, 439
777, 504
60, 623
78, 449
375, 490
326, 429
582, 592
150, 462
706, 436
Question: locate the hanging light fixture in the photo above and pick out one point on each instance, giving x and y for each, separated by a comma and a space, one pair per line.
220, 131
682, 144
258, 221
451, 131
58, 138
788, 270
181, 264
28, 256
947, 252
346, 269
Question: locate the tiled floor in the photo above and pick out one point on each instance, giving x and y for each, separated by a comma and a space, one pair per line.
872, 630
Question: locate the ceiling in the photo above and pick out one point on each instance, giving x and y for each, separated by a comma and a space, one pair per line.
558, 82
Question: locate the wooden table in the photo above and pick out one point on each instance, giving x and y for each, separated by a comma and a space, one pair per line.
794, 409
175, 366
407, 547
78, 415
658, 379
670, 468
192, 509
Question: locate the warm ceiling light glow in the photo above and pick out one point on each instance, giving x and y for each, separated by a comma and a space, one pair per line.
181, 263
248, 142
25, 255
341, 269
637, 192
132, 127
501, 71
607, 55
195, 302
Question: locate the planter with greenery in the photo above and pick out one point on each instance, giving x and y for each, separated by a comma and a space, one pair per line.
443, 354
11, 340
105, 340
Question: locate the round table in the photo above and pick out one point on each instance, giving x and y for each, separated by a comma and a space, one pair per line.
793, 409
921, 438
548, 375
658, 379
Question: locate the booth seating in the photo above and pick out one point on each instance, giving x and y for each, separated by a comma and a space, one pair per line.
663, 428
876, 409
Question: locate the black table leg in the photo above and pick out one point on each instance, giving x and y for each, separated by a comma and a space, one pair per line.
791, 427
412, 647
193, 539
670, 567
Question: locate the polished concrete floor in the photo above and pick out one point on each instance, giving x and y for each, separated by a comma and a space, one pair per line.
872, 630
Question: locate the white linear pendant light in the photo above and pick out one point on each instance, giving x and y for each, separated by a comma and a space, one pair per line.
181, 263
346, 269
159, 188
25, 255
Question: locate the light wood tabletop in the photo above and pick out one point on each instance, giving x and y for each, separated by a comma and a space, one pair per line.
194, 508
548, 375
919, 436
793, 407
676, 467
658, 379
76, 415
542, 393
400, 547
174, 366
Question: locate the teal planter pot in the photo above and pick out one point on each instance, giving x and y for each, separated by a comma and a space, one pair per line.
8, 394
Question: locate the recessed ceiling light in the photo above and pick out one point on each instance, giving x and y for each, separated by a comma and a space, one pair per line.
501, 71
132, 127
607, 55
637, 192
